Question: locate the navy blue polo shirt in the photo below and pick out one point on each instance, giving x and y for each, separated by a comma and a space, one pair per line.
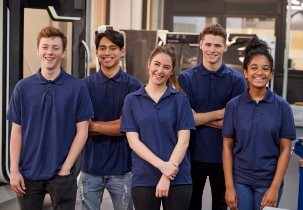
102, 154
209, 91
47, 112
157, 125
257, 130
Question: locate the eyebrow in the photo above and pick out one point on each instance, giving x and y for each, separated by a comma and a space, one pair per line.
257, 65
108, 45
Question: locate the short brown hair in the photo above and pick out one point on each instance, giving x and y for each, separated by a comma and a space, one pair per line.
214, 29
51, 31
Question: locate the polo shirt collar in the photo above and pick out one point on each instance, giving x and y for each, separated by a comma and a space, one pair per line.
58, 80
103, 78
219, 72
268, 98
168, 92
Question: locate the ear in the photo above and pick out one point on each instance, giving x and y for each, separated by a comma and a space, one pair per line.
245, 73
201, 44
122, 52
63, 54
271, 75
225, 48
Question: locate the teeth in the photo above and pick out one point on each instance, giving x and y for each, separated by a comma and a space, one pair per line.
158, 76
260, 79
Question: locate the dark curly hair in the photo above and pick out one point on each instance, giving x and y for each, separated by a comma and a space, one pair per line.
256, 46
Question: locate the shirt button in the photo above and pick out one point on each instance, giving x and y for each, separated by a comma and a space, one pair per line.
109, 86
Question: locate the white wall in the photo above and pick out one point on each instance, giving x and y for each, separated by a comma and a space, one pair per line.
125, 14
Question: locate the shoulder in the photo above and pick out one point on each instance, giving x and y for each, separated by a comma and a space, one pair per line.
189, 72
233, 72
27, 83
133, 80
278, 99
235, 100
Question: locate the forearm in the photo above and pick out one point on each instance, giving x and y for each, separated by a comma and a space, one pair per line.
207, 117
77, 145
283, 160
215, 124
111, 128
181, 147
227, 157
15, 147
141, 150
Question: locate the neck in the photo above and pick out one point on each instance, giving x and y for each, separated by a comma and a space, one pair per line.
50, 74
110, 72
212, 66
154, 91
257, 94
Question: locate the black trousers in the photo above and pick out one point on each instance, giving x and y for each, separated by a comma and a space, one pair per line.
199, 172
62, 190
144, 198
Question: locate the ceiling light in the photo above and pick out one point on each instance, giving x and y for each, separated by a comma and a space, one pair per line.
295, 2
296, 7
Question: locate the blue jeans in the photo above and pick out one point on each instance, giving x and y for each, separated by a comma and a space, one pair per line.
250, 197
62, 190
91, 189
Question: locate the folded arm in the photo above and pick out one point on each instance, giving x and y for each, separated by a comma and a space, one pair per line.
110, 128
212, 119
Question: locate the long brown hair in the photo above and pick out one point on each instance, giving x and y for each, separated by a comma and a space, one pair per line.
171, 52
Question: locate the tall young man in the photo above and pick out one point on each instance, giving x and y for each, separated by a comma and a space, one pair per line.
106, 161
49, 112
209, 86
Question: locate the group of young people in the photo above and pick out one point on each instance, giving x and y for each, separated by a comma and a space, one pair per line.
154, 143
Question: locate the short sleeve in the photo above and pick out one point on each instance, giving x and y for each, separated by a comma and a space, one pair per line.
84, 105
288, 129
228, 122
14, 110
186, 119
185, 85
128, 123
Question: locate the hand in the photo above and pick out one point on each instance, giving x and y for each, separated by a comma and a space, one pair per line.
17, 183
64, 172
169, 169
221, 113
231, 198
270, 198
162, 187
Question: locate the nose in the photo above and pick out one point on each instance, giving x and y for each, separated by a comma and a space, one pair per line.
50, 51
107, 50
259, 71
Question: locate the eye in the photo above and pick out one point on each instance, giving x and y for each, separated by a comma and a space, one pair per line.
113, 48
101, 48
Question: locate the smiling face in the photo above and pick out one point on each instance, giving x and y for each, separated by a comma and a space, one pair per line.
258, 72
212, 48
109, 54
160, 69
50, 52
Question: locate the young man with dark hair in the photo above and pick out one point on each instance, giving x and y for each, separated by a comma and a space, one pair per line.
209, 86
106, 161
49, 112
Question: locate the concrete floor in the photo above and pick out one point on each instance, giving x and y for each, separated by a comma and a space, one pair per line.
289, 198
